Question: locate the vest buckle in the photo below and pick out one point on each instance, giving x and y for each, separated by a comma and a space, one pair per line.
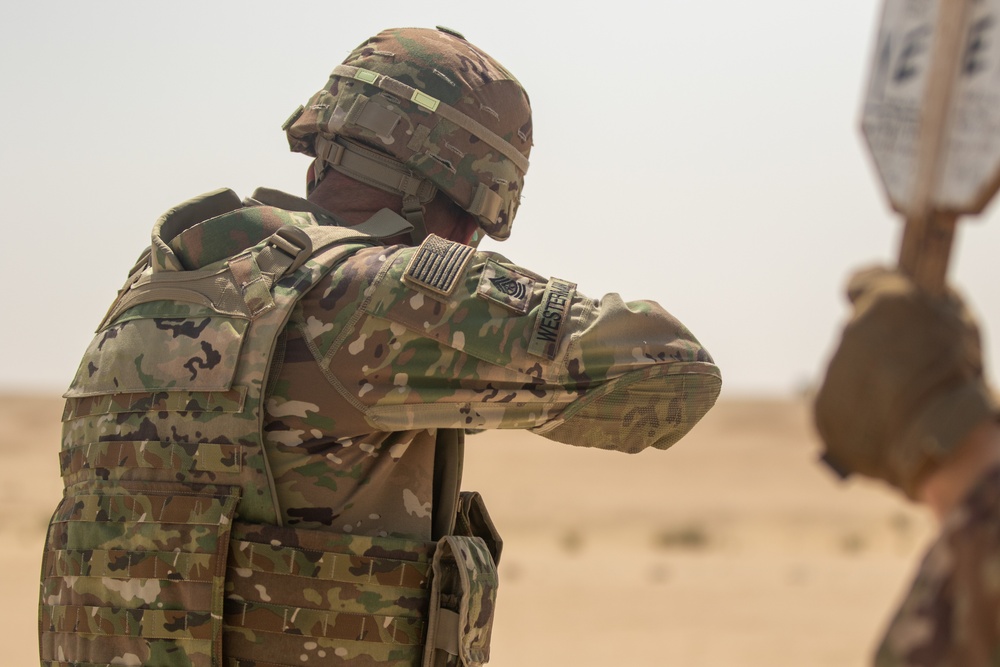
294, 242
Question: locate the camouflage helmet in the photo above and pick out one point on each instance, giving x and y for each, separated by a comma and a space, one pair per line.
413, 110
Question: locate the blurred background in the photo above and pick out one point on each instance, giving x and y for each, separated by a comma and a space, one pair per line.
703, 155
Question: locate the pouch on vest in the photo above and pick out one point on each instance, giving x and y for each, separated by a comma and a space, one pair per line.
472, 520
463, 596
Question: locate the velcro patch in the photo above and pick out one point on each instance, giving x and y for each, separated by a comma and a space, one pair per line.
552, 315
507, 287
438, 264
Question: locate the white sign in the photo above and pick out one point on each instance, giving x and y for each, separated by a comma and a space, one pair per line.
893, 107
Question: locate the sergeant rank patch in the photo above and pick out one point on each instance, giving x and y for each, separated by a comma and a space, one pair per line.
552, 314
438, 264
505, 286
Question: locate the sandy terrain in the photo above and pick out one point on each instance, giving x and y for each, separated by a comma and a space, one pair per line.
732, 549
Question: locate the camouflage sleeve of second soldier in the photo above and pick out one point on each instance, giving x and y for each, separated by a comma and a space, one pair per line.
448, 337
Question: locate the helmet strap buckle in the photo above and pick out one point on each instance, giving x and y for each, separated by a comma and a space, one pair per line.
413, 211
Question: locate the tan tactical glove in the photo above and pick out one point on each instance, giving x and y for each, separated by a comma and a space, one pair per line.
906, 384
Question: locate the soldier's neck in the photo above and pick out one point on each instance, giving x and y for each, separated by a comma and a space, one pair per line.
350, 200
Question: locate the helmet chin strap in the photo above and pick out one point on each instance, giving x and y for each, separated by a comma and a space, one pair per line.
380, 171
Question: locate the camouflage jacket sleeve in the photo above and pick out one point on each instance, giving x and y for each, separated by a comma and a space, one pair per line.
442, 336
950, 616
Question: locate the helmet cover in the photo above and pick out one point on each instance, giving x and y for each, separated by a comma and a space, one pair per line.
443, 108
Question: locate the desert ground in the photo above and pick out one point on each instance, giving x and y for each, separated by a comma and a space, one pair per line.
732, 549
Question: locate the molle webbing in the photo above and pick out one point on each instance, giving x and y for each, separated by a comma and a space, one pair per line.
135, 574
291, 593
287, 591
341, 599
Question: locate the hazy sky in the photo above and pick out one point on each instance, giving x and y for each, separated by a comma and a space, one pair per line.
701, 154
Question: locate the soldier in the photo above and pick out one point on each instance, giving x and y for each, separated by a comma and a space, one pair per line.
262, 446
905, 401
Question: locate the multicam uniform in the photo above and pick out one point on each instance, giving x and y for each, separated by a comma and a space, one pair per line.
382, 353
950, 615
332, 503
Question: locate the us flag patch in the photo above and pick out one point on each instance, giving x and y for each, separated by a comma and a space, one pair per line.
507, 287
438, 264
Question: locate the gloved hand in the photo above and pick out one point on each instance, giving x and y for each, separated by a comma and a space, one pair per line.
905, 385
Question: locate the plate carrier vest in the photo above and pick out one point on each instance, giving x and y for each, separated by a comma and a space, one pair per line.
167, 549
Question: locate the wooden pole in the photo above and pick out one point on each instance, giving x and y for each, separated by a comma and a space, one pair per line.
928, 234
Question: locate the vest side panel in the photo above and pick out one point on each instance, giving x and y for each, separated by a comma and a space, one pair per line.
161, 455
